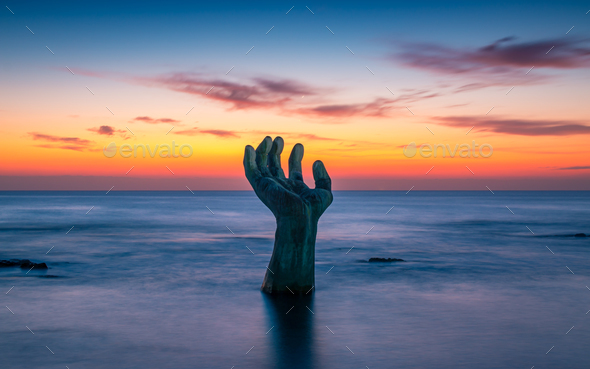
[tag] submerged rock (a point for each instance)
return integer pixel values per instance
(23, 263)
(384, 260)
(579, 235)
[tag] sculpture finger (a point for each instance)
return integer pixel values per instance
(295, 163)
(262, 155)
(274, 158)
(321, 177)
(252, 172)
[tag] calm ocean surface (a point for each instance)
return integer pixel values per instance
(156, 280)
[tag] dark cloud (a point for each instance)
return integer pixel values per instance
(501, 63)
(260, 93)
(498, 56)
(517, 126)
(150, 120)
(66, 143)
(105, 130)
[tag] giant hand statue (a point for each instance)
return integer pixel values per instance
(297, 209)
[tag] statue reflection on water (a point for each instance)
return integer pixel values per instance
(292, 338)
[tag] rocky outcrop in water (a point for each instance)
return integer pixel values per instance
(23, 263)
(384, 260)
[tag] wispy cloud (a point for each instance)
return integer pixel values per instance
(215, 132)
(517, 126)
(106, 130)
(66, 143)
(258, 93)
(501, 62)
(150, 120)
(575, 168)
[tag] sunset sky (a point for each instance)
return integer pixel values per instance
(354, 82)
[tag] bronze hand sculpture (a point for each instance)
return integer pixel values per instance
(297, 209)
